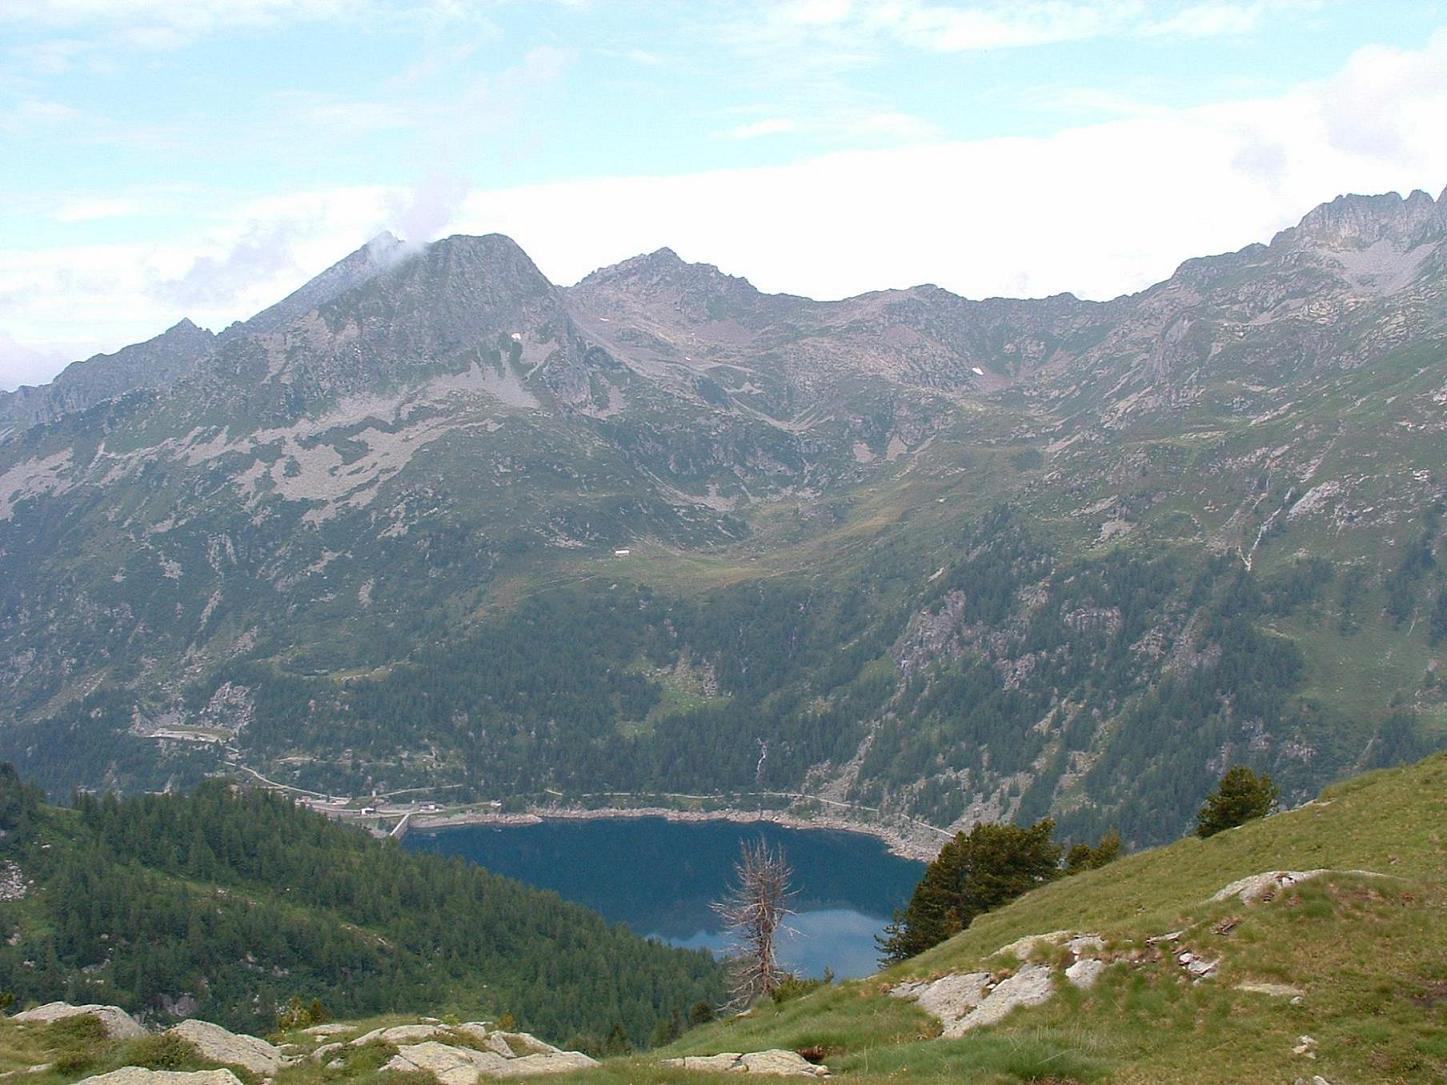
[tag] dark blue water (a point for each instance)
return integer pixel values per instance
(660, 877)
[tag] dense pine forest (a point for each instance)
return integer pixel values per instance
(1106, 691)
(226, 903)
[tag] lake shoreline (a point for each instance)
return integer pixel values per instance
(914, 845)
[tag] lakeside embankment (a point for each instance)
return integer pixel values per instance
(909, 841)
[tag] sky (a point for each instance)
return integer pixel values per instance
(162, 159)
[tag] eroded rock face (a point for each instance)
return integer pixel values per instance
(552, 1062)
(222, 1045)
(465, 1054)
(781, 1063)
(1269, 884)
(453, 1065)
(118, 1024)
(334, 1028)
(967, 1000)
(719, 1063)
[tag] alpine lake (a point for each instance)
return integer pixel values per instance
(661, 877)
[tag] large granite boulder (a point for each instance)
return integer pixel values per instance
(118, 1024)
(218, 1044)
(775, 1062)
(449, 1065)
(466, 1053)
(139, 1075)
(548, 1062)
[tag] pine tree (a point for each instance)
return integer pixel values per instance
(1241, 796)
(973, 874)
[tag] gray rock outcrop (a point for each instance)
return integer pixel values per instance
(962, 1001)
(1030, 986)
(1264, 886)
(449, 1065)
(218, 1044)
(139, 1075)
(1085, 972)
(400, 1034)
(950, 998)
(118, 1024)
(775, 1062)
(456, 1065)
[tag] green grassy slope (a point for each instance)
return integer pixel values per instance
(1368, 953)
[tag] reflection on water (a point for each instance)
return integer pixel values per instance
(660, 877)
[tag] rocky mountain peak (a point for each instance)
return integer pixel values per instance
(155, 364)
(378, 255)
(1355, 222)
(492, 260)
(467, 278)
(663, 269)
(697, 292)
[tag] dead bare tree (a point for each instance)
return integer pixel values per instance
(753, 912)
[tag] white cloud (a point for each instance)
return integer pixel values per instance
(771, 126)
(995, 24)
(32, 115)
(1207, 21)
(100, 28)
(423, 214)
(96, 208)
(161, 24)
(1097, 209)
(20, 364)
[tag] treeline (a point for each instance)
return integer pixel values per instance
(241, 901)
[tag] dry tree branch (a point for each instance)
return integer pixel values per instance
(753, 912)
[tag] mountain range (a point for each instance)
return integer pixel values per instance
(435, 521)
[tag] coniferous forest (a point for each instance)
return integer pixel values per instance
(226, 903)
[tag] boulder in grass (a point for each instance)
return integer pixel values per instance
(118, 1024)
(139, 1075)
(217, 1044)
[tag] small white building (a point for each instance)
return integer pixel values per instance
(622, 553)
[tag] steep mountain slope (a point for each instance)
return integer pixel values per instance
(352, 270)
(905, 551)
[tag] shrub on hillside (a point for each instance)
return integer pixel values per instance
(1241, 796)
(1084, 857)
